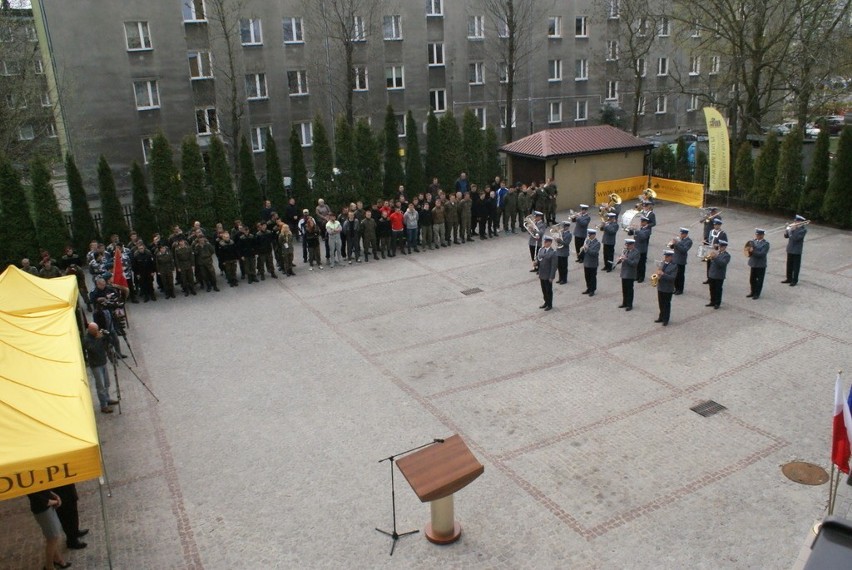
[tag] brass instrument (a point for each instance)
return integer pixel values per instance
(655, 277)
(555, 231)
(603, 209)
(711, 254)
(621, 257)
(796, 225)
(748, 248)
(648, 194)
(529, 225)
(614, 199)
(708, 217)
(673, 242)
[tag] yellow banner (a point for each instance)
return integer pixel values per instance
(720, 152)
(627, 188)
(687, 193)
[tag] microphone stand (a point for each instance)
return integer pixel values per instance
(391, 459)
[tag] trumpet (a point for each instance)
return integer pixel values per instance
(796, 225)
(712, 254)
(673, 242)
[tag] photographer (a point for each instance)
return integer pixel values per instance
(95, 344)
(105, 299)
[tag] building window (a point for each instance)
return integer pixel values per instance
(38, 66)
(137, 35)
(297, 82)
(30, 33)
(554, 27)
(436, 55)
(251, 32)
(50, 130)
(504, 114)
(6, 34)
(147, 95)
(665, 27)
(12, 102)
(641, 67)
(715, 63)
(696, 29)
(662, 102)
(612, 50)
(438, 100)
(641, 105)
(359, 32)
(614, 9)
(293, 31)
(662, 66)
(256, 87)
(475, 27)
(10, 68)
(206, 121)
(581, 29)
(642, 27)
(392, 27)
(45, 99)
(582, 112)
(581, 70)
(395, 77)
(693, 103)
(361, 82)
(26, 133)
(554, 70)
(400, 125)
(555, 112)
(200, 65)
(502, 29)
(147, 147)
(480, 116)
(612, 90)
(193, 11)
(258, 138)
(476, 75)
(434, 7)
(306, 133)
(503, 72)
(695, 65)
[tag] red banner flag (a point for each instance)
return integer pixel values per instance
(118, 270)
(840, 447)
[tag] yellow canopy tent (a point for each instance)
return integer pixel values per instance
(48, 435)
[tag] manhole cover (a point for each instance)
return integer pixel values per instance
(472, 291)
(708, 408)
(804, 473)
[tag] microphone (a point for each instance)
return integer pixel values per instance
(439, 440)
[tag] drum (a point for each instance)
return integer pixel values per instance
(630, 218)
(703, 250)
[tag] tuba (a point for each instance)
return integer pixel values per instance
(614, 199)
(555, 231)
(529, 225)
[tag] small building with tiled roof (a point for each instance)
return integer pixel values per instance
(576, 158)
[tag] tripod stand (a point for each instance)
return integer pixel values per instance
(391, 459)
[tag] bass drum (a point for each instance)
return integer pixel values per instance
(629, 219)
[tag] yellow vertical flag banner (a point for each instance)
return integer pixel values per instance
(720, 152)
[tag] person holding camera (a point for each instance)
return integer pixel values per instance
(95, 344)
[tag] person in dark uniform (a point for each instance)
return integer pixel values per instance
(546, 265)
(165, 263)
(536, 237)
(610, 233)
(665, 287)
(230, 256)
(144, 266)
(629, 260)
(649, 213)
(264, 240)
(681, 248)
(563, 252)
(479, 211)
(383, 233)
(708, 224)
(643, 238)
(795, 235)
(581, 229)
(718, 266)
(69, 516)
(247, 248)
(591, 260)
(757, 263)
(184, 261)
(713, 236)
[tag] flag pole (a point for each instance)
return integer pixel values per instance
(832, 489)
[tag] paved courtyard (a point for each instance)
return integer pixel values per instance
(278, 400)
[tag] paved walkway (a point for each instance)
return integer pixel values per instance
(278, 399)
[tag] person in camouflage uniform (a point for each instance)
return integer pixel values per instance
(165, 262)
(524, 205)
(246, 247)
(368, 232)
(451, 217)
(285, 243)
(184, 260)
(465, 209)
(204, 251)
(510, 211)
(227, 252)
(264, 239)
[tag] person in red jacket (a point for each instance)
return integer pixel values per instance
(397, 230)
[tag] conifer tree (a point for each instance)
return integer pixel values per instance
(393, 175)
(450, 165)
(275, 191)
(682, 160)
(112, 214)
(743, 171)
(251, 200)
(298, 171)
(165, 182)
(226, 208)
(83, 229)
(492, 164)
(433, 151)
(788, 179)
(194, 182)
(17, 232)
(368, 185)
(837, 206)
(415, 179)
(765, 168)
(144, 222)
(473, 149)
(51, 230)
(817, 183)
(664, 161)
(344, 158)
(323, 161)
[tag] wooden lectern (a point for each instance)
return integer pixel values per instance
(435, 473)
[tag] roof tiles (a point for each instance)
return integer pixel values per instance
(575, 141)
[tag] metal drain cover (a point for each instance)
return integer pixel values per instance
(708, 408)
(472, 291)
(804, 473)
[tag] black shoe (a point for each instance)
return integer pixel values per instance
(665, 323)
(586, 292)
(705, 282)
(193, 291)
(533, 270)
(678, 292)
(82, 532)
(209, 289)
(622, 306)
(591, 293)
(65, 565)
(640, 280)
(709, 305)
(793, 283)
(715, 306)
(186, 293)
(274, 275)
(542, 306)
(548, 308)
(75, 545)
(755, 298)
(121, 355)
(216, 289)
(457, 242)
(750, 295)
(786, 281)
(658, 321)
(628, 308)
(561, 282)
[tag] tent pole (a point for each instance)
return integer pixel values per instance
(104, 516)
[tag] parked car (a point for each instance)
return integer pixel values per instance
(782, 129)
(811, 131)
(834, 123)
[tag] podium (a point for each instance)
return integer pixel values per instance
(435, 473)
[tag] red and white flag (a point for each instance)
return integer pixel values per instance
(118, 270)
(840, 442)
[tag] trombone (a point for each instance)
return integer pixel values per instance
(796, 225)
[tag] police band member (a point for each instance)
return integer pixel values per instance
(681, 248)
(757, 263)
(629, 260)
(581, 228)
(642, 237)
(610, 231)
(717, 267)
(546, 267)
(713, 237)
(563, 251)
(536, 237)
(795, 235)
(648, 206)
(591, 253)
(708, 224)
(665, 286)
